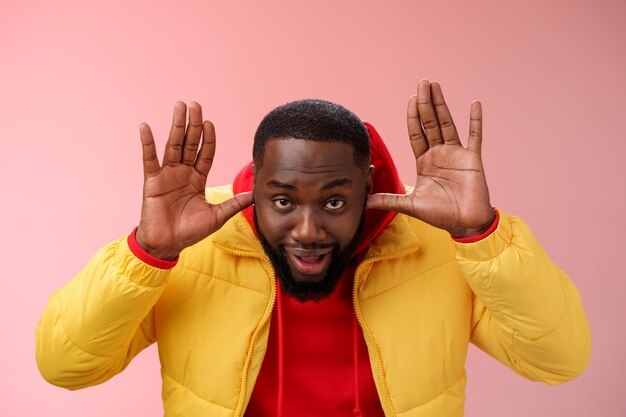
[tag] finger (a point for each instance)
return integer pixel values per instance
(414, 126)
(150, 159)
(233, 206)
(427, 114)
(475, 141)
(446, 124)
(193, 134)
(389, 202)
(174, 146)
(207, 151)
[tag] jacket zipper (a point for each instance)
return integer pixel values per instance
(387, 406)
(239, 410)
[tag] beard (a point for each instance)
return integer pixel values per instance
(310, 291)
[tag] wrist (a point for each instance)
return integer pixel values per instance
(475, 234)
(155, 257)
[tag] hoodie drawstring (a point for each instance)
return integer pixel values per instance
(281, 373)
(357, 400)
(356, 411)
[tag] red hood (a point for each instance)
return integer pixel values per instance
(386, 180)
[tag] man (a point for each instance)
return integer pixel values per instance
(337, 291)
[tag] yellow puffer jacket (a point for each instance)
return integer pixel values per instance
(420, 299)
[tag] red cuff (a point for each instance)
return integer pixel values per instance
(140, 253)
(489, 231)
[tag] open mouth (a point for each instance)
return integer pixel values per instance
(310, 262)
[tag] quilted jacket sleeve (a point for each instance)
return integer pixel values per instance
(94, 326)
(526, 311)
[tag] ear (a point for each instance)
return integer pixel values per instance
(369, 179)
(253, 170)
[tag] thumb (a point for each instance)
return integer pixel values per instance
(389, 202)
(234, 205)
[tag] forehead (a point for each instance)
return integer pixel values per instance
(297, 159)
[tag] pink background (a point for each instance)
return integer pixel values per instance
(77, 78)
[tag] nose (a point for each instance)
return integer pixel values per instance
(308, 228)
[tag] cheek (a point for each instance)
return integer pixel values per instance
(344, 227)
(273, 225)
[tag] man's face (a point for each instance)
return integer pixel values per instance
(309, 201)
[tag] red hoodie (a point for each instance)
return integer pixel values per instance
(316, 362)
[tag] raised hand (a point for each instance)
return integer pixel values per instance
(175, 213)
(451, 189)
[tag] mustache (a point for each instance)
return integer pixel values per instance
(310, 246)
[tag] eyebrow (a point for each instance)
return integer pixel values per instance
(336, 183)
(332, 184)
(278, 184)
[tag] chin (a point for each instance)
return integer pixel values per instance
(304, 279)
(306, 287)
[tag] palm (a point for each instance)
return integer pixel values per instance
(450, 184)
(175, 213)
(174, 202)
(451, 190)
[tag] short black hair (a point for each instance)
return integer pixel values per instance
(316, 120)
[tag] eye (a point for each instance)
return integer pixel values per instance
(283, 203)
(334, 204)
